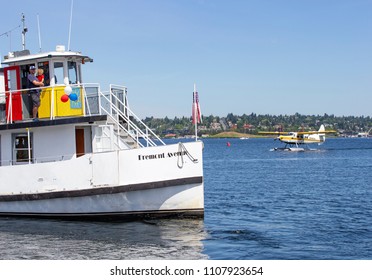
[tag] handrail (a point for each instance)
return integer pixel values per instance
(25, 91)
(9, 118)
(127, 109)
(7, 162)
(120, 126)
(117, 109)
(131, 124)
(35, 88)
(127, 119)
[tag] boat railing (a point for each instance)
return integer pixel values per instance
(3, 96)
(44, 159)
(112, 103)
(32, 160)
(125, 119)
(9, 105)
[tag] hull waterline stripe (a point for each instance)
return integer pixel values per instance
(129, 215)
(101, 190)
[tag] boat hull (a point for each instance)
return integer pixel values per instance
(171, 185)
(148, 200)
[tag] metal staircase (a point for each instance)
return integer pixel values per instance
(129, 131)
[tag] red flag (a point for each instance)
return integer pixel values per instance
(196, 115)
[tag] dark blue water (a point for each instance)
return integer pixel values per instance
(287, 205)
(259, 204)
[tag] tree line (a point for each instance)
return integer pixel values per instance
(253, 123)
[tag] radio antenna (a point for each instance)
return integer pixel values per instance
(24, 30)
(38, 29)
(69, 33)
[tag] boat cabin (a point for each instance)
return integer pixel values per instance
(62, 77)
(73, 119)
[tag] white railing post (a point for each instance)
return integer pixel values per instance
(99, 100)
(52, 104)
(10, 108)
(147, 136)
(28, 145)
(86, 101)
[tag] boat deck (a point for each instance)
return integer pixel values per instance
(49, 122)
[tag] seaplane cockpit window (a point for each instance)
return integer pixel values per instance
(72, 76)
(22, 153)
(58, 72)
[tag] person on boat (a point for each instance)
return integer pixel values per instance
(34, 93)
(40, 75)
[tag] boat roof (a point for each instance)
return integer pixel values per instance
(18, 57)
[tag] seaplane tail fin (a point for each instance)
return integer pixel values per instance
(322, 128)
(321, 136)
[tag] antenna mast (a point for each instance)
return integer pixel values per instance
(38, 28)
(24, 30)
(69, 33)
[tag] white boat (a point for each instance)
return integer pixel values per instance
(90, 156)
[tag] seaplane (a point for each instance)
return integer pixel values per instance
(293, 140)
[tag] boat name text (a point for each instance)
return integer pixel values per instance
(162, 155)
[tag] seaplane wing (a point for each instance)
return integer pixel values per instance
(298, 132)
(315, 132)
(273, 132)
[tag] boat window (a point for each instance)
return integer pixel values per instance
(92, 100)
(24, 73)
(45, 66)
(58, 72)
(22, 152)
(2, 112)
(72, 76)
(12, 79)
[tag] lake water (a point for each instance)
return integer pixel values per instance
(259, 204)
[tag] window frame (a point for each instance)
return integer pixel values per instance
(27, 159)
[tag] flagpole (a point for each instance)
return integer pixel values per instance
(195, 114)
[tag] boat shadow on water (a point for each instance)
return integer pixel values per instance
(55, 239)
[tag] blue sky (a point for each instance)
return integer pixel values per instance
(261, 56)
